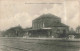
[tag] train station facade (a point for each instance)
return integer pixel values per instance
(48, 25)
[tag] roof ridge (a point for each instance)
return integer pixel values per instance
(48, 15)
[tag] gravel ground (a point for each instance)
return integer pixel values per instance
(20, 44)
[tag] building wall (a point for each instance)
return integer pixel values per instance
(47, 22)
(40, 33)
(58, 31)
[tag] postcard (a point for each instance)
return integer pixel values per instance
(39, 25)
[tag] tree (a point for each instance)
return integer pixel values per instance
(14, 32)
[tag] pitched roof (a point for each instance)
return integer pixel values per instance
(48, 16)
(58, 25)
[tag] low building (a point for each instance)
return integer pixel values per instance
(48, 25)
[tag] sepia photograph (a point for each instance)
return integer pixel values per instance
(39, 25)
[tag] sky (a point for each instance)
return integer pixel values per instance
(22, 12)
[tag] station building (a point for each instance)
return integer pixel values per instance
(48, 25)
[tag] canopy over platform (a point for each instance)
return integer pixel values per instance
(41, 29)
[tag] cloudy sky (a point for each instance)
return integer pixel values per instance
(22, 12)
